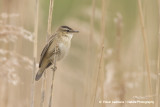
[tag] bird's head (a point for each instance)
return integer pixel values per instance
(66, 31)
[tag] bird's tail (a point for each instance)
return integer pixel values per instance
(39, 74)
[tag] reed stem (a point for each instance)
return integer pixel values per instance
(145, 46)
(158, 62)
(100, 72)
(47, 37)
(34, 52)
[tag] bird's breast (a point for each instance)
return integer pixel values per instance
(63, 48)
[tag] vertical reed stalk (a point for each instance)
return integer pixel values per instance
(34, 52)
(145, 46)
(158, 62)
(101, 63)
(97, 78)
(119, 23)
(48, 35)
(43, 88)
(100, 72)
(50, 17)
(118, 65)
(54, 69)
(158, 74)
(6, 87)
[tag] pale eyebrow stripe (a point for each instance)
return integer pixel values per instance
(66, 27)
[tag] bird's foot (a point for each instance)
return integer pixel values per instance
(54, 68)
(56, 51)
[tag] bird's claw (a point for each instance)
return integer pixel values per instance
(54, 68)
(57, 51)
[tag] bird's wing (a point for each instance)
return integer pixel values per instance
(45, 49)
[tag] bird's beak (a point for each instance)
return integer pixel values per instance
(74, 31)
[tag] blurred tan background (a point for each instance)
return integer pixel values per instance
(90, 73)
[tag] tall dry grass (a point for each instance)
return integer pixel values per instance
(145, 41)
(49, 34)
(87, 92)
(157, 104)
(99, 76)
(34, 52)
(43, 89)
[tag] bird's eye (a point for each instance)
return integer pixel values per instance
(67, 30)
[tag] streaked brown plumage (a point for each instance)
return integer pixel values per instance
(60, 41)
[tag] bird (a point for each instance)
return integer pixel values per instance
(56, 48)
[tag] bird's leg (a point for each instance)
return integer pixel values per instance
(54, 61)
(54, 67)
(56, 51)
